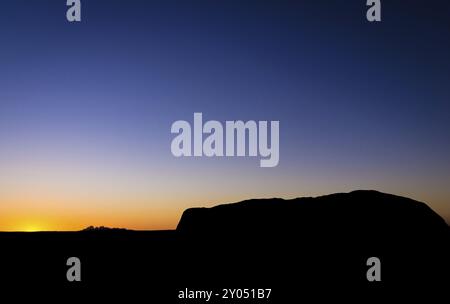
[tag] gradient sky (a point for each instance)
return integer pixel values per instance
(86, 108)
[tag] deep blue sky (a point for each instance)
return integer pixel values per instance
(86, 108)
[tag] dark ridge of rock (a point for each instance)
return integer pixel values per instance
(347, 215)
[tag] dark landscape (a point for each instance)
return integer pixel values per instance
(299, 247)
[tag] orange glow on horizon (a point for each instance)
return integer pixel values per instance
(77, 222)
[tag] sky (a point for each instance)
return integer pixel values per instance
(86, 108)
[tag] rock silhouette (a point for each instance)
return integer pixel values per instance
(371, 211)
(299, 247)
(327, 239)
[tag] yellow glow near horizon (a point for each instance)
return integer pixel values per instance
(26, 224)
(31, 228)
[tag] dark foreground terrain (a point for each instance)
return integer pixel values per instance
(301, 248)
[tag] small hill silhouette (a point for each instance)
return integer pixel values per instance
(102, 228)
